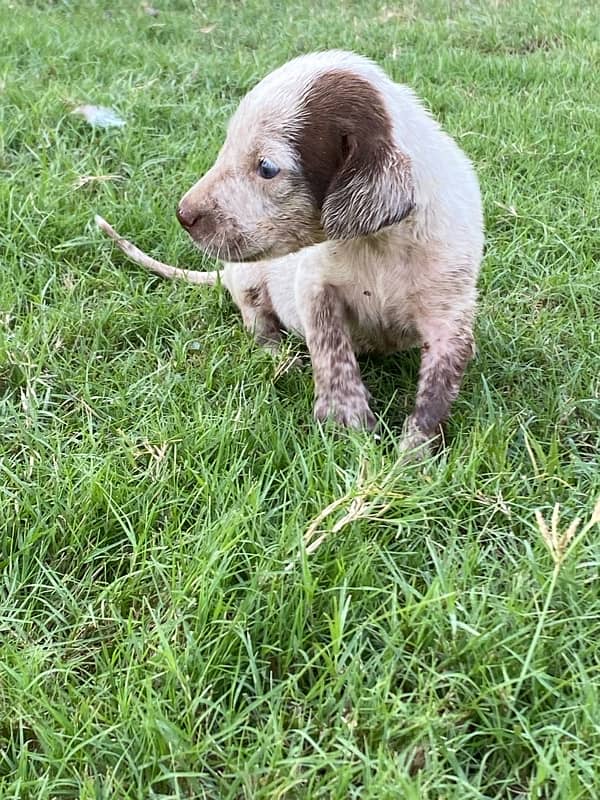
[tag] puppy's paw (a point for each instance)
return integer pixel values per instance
(415, 445)
(350, 410)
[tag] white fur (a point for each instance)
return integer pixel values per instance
(411, 283)
(422, 269)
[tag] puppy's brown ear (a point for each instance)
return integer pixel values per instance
(358, 178)
(371, 190)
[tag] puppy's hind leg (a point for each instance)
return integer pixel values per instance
(259, 315)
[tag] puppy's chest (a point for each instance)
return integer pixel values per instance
(380, 313)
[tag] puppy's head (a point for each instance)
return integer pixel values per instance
(310, 155)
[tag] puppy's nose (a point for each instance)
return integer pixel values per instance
(187, 216)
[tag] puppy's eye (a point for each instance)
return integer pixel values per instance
(267, 169)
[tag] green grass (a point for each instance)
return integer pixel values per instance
(163, 632)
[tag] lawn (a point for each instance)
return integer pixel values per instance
(166, 628)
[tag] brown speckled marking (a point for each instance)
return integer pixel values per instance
(260, 317)
(339, 390)
(443, 363)
(254, 295)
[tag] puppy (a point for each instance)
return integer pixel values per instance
(343, 212)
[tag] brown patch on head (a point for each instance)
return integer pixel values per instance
(340, 111)
(356, 175)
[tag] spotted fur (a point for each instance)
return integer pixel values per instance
(369, 239)
(339, 391)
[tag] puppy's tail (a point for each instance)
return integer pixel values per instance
(136, 255)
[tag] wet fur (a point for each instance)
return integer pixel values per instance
(370, 240)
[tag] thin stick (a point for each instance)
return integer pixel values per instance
(139, 257)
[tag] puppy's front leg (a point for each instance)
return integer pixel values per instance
(339, 390)
(445, 354)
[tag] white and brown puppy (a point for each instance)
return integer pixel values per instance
(345, 213)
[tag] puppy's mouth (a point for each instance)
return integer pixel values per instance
(235, 251)
(222, 245)
(227, 243)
